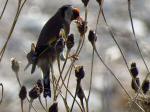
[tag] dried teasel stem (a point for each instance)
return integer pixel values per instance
(79, 73)
(22, 95)
(145, 86)
(94, 46)
(85, 2)
(15, 67)
(19, 8)
(130, 15)
(3, 9)
(40, 86)
(53, 107)
(136, 86)
(116, 78)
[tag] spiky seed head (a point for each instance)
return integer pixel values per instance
(70, 41)
(145, 86)
(79, 72)
(85, 2)
(53, 107)
(15, 65)
(23, 93)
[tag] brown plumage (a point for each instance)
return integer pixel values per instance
(45, 53)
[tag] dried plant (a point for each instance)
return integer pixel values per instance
(140, 101)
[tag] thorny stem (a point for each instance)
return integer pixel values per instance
(99, 15)
(74, 98)
(19, 8)
(30, 104)
(17, 77)
(82, 104)
(3, 9)
(72, 63)
(68, 83)
(42, 104)
(80, 45)
(130, 15)
(46, 103)
(92, 61)
(53, 79)
(62, 69)
(113, 37)
(114, 75)
(71, 94)
(22, 105)
(83, 37)
(91, 77)
(65, 103)
(2, 92)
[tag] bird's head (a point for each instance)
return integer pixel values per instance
(70, 13)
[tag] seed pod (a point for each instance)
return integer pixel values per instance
(82, 27)
(92, 37)
(136, 86)
(134, 71)
(54, 107)
(15, 65)
(85, 2)
(99, 2)
(39, 84)
(23, 93)
(34, 93)
(79, 72)
(70, 41)
(60, 45)
(145, 86)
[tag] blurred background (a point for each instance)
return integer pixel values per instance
(106, 95)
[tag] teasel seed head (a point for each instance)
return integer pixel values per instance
(70, 41)
(15, 65)
(99, 2)
(145, 86)
(85, 2)
(40, 85)
(53, 107)
(23, 93)
(82, 27)
(79, 72)
(92, 37)
(34, 93)
(134, 70)
(60, 45)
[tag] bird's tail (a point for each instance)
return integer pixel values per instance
(46, 82)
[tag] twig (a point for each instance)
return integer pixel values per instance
(115, 76)
(130, 15)
(3, 9)
(19, 8)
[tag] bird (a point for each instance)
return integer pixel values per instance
(45, 52)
